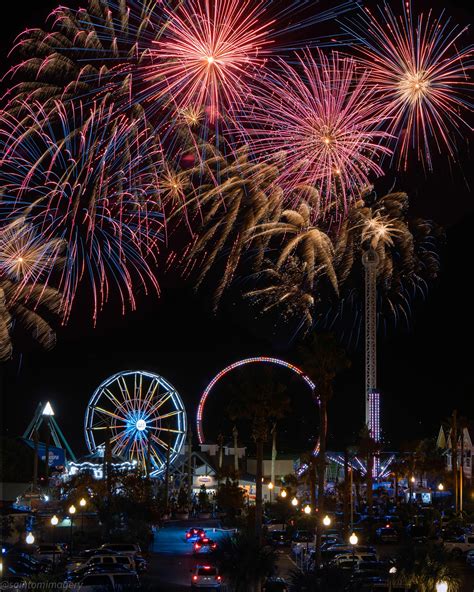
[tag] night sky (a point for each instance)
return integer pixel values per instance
(425, 371)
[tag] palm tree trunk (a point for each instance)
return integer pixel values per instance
(396, 488)
(321, 476)
(347, 494)
(454, 457)
(461, 472)
(258, 491)
(370, 471)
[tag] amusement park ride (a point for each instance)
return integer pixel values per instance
(140, 417)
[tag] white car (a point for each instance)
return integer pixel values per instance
(103, 560)
(461, 546)
(356, 557)
(108, 581)
(206, 576)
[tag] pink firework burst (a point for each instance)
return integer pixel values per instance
(421, 77)
(325, 122)
(208, 54)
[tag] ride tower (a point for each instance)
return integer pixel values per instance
(370, 260)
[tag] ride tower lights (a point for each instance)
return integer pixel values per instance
(370, 260)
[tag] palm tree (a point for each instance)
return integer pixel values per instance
(262, 400)
(367, 448)
(422, 569)
(245, 561)
(20, 302)
(322, 359)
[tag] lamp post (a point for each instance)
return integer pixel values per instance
(283, 493)
(82, 504)
(72, 511)
(442, 587)
(270, 489)
(54, 522)
(326, 521)
(353, 540)
(391, 574)
(294, 502)
(30, 538)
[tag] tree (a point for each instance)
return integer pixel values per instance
(422, 569)
(367, 448)
(230, 498)
(245, 561)
(260, 398)
(322, 359)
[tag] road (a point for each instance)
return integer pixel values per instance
(171, 559)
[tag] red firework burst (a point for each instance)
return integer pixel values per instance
(208, 54)
(324, 121)
(420, 75)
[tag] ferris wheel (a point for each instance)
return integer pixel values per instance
(140, 414)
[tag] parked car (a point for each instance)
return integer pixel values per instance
(275, 584)
(354, 557)
(51, 552)
(278, 538)
(461, 546)
(275, 524)
(470, 558)
(130, 549)
(387, 535)
(110, 560)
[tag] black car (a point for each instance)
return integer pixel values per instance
(275, 585)
(278, 538)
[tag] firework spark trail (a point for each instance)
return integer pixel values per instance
(420, 76)
(325, 122)
(90, 178)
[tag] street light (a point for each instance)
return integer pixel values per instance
(392, 570)
(54, 522)
(72, 511)
(30, 539)
(283, 493)
(327, 520)
(442, 587)
(82, 503)
(440, 487)
(294, 502)
(353, 539)
(270, 489)
(307, 510)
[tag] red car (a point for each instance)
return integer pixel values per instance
(205, 545)
(195, 534)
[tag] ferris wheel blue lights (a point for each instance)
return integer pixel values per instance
(141, 415)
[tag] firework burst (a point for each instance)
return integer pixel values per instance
(324, 120)
(208, 54)
(89, 178)
(420, 75)
(24, 254)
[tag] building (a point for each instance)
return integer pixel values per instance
(465, 449)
